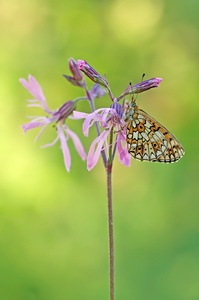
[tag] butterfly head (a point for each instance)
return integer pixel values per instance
(129, 110)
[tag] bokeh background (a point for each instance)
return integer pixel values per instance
(53, 224)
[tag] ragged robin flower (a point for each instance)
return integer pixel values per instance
(57, 117)
(108, 119)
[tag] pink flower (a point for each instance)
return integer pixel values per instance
(108, 118)
(56, 116)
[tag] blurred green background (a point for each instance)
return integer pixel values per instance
(53, 225)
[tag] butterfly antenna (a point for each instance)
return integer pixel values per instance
(142, 79)
(133, 96)
(143, 75)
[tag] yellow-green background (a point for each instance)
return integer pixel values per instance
(53, 225)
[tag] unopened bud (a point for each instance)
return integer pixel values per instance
(91, 73)
(77, 78)
(140, 87)
(77, 75)
(143, 86)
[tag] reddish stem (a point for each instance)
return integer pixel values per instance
(110, 225)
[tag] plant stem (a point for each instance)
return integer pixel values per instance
(110, 225)
(110, 217)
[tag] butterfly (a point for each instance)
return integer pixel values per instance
(147, 139)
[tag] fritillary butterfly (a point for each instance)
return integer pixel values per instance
(147, 139)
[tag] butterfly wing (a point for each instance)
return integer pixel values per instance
(148, 140)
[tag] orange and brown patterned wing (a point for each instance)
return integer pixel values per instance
(148, 140)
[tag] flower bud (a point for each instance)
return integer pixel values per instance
(77, 78)
(91, 73)
(143, 86)
(77, 75)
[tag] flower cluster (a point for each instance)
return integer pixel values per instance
(109, 121)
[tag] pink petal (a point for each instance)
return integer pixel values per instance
(51, 144)
(79, 115)
(35, 89)
(76, 141)
(95, 117)
(40, 133)
(106, 113)
(64, 147)
(91, 118)
(123, 154)
(94, 154)
(32, 125)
